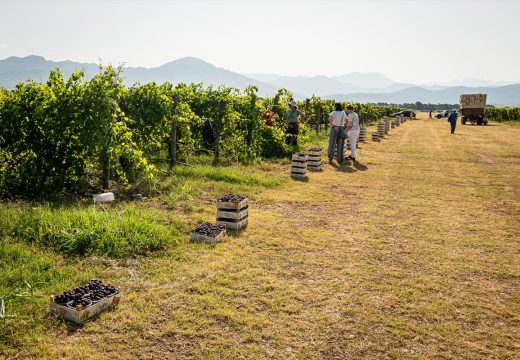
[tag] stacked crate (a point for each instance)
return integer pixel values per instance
(314, 159)
(375, 136)
(299, 166)
(381, 128)
(233, 214)
(362, 133)
(387, 125)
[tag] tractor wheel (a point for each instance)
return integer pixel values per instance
(463, 120)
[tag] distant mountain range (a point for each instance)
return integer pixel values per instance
(360, 87)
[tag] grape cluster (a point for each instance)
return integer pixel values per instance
(209, 229)
(232, 198)
(85, 295)
(316, 149)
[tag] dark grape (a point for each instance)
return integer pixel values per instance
(85, 295)
(209, 229)
(232, 198)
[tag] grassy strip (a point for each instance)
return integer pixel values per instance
(87, 230)
(228, 175)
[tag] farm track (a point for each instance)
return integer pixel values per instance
(413, 254)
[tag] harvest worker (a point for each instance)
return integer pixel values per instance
(353, 131)
(293, 119)
(453, 121)
(337, 134)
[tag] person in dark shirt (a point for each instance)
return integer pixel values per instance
(293, 120)
(453, 121)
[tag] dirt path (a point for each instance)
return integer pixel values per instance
(413, 253)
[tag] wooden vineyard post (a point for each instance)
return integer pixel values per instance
(318, 117)
(106, 172)
(307, 108)
(173, 136)
(218, 128)
(299, 166)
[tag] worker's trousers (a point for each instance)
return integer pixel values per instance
(453, 125)
(353, 136)
(336, 142)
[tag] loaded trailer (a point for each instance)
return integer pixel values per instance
(472, 109)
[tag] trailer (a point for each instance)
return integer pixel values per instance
(472, 109)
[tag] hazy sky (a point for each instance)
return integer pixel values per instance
(410, 41)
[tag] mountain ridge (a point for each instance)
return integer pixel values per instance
(354, 86)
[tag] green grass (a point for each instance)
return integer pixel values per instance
(225, 174)
(412, 256)
(88, 230)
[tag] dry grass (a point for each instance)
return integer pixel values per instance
(414, 255)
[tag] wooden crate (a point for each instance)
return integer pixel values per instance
(315, 153)
(381, 128)
(234, 224)
(362, 134)
(296, 157)
(315, 168)
(196, 237)
(223, 205)
(298, 170)
(299, 164)
(240, 214)
(375, 136)
(299, 176)
(81, 315)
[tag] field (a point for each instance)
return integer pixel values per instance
(412, 253)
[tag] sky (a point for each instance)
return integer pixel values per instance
(408, 41)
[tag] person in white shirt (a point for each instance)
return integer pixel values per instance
(337, 120)
(353, 131)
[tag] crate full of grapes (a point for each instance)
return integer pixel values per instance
(233, 211)
(208, 233)
(84, 302)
